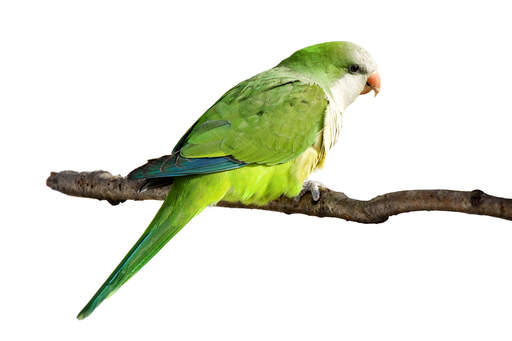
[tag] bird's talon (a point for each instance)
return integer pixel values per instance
(312, 187)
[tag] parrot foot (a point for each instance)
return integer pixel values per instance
(312, 187)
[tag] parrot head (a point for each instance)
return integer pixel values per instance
(338, 66)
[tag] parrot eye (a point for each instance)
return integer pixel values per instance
(353, 68)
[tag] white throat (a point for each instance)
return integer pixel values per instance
(340, 95)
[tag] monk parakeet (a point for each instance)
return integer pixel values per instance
(259, 141)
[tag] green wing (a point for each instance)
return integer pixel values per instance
(269, 119)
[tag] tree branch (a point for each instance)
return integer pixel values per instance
(102, 185)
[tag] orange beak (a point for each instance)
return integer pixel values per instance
(373, 83)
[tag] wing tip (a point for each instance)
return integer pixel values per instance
(145, 170)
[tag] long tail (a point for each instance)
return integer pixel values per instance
(181, 205)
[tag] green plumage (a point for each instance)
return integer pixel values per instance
(268, 119)
(259, 141)
(184, 201)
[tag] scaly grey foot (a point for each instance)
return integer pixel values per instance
(310, 186)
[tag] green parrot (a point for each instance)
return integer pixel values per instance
(259, 141)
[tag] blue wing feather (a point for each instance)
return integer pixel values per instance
(176, 165)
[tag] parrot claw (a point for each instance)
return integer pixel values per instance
(310, 186)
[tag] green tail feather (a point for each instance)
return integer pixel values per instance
(159, 232)
(186, 199)
(116, 279)
(162, 228)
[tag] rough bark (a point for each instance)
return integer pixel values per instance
(102, 185)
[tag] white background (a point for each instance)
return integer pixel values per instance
(106, 85)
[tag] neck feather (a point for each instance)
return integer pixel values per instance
(340, 94)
